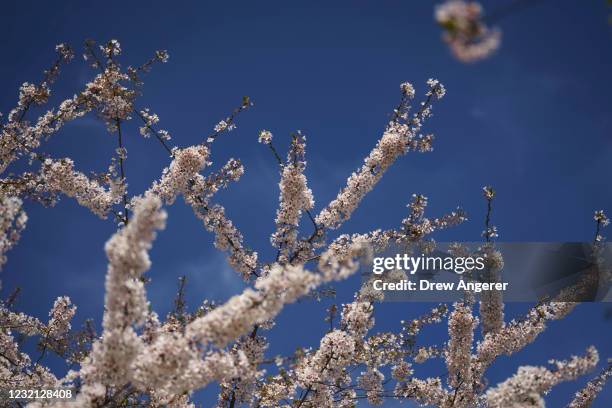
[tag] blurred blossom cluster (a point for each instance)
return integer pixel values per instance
(465, 31)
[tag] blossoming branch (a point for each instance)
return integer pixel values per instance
(143, 359)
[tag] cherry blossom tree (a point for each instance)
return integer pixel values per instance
(142, 359)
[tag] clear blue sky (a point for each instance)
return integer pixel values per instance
(534, 121)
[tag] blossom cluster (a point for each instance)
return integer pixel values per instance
(401, 135)
(295, 198)
(465, 31)
(526, 387)
(60, 176)
(12, 222)
(602, 221)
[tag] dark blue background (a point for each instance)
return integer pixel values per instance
(534, 121)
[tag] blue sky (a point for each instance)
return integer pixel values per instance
(534, 121)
